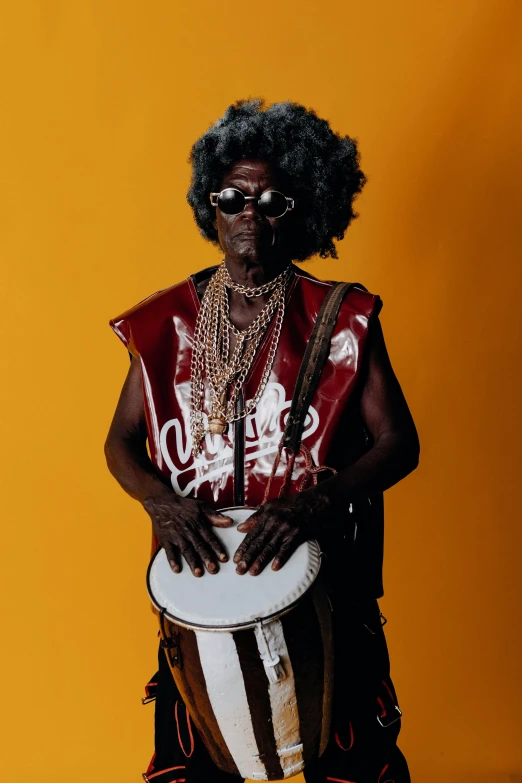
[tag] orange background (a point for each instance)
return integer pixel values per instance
(101, 102)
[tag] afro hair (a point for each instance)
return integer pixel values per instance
(322, 166)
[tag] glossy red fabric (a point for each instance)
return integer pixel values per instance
(233, 469)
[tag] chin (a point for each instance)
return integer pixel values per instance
(254, 252)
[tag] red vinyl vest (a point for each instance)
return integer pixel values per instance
(232, 469)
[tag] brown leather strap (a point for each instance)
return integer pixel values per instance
(312, 364)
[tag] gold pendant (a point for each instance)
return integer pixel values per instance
(217, 425)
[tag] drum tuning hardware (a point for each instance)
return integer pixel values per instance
(169, 643)
(271, 661)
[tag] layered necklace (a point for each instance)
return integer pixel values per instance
(211, 357)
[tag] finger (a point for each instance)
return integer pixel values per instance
(216, 518)
(256, 530)
(250, 523)
(245, 543)
(262, 560)
(173, 556)
(204, 551)
(286, 550)
(214, 543)
(253, 551)
(192, 558)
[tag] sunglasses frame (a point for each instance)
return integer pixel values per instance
(289, 201)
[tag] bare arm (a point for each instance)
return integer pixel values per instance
(125, 446)
(181, 525)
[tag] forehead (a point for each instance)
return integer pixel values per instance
(259, 172)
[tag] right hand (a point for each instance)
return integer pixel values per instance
(183, 528)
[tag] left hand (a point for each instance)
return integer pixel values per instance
(276, 529)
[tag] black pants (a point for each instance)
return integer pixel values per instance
(366, 724)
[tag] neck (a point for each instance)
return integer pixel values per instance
(253, 274)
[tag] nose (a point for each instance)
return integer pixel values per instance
(251, 211)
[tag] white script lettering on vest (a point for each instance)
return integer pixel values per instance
(263, 431)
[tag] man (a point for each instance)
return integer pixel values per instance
(215, 362)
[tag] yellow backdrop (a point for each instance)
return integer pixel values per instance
(101, 101)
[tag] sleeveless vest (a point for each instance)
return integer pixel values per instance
(232, 469)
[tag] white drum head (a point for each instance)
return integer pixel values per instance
(227, 600)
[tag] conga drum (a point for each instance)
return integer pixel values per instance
(252, 657)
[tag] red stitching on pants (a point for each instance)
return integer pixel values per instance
(150, 768)
(187, 755)
(162, 772)
(341, 780)
(338, 741)
(388, 780)
(394, 700)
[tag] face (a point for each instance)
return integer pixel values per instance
(251, 237)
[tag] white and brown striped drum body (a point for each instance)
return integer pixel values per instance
(252, 658)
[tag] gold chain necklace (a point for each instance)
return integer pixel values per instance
(250, 292)
(211, 357)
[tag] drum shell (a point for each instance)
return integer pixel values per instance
(251, 726)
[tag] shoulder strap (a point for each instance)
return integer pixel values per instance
(314, 358)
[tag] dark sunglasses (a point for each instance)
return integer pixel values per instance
(271, 203)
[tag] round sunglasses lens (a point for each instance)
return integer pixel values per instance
(272, 203)
(231, 202)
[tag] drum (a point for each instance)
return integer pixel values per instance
(251, 656)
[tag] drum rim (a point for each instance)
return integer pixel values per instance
(234, 626)
(228, 628)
